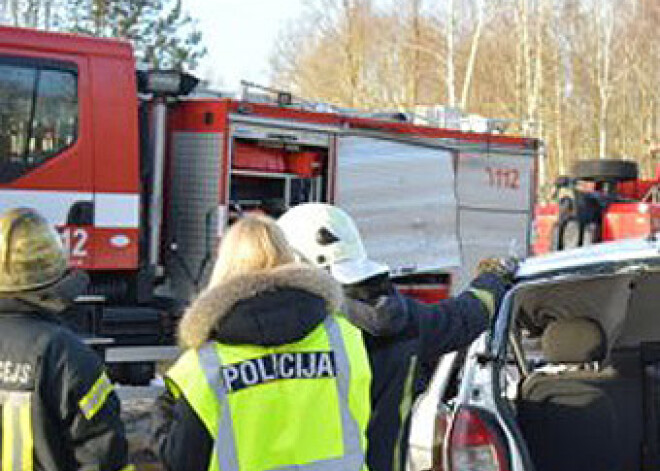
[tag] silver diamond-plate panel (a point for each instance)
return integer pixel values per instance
(193, 217)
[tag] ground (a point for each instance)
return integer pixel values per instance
(137, 406)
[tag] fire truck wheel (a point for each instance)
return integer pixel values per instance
(570, 235)
(133, 374)
(591, 234)
(141, 374)
(605, 170)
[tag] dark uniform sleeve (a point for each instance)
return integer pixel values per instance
(454, 323)
(387, 317)
(88, 408)
(176, 431)
(448, 325)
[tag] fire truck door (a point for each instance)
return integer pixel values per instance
(402, 197)
(495, 199)
(45, 142)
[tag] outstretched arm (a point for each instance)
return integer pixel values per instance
(455, 322)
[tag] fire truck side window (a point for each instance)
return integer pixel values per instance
(38, 115)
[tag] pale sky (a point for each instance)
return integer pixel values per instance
(239, 36)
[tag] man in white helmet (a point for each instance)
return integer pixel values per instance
(404, 338)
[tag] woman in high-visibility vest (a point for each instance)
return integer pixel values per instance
(272, 377)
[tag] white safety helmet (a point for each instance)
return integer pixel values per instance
(326, 236)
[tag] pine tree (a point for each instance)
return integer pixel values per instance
(163, 35)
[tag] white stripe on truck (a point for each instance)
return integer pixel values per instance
(119, 210)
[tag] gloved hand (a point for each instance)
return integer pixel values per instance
(505, 268)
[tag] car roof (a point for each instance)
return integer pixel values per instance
(598, 258)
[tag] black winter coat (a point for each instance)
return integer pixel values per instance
(59, 370)
(404, 340)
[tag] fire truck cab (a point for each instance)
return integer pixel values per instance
(141, 178)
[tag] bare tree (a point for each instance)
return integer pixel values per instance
(587, 84)
(474, 47)
(449, 38)
(605, 29)
(413, 69)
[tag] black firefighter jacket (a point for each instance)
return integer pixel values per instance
(74, 413)
(405, 339)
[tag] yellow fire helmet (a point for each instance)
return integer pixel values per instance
(31, 252)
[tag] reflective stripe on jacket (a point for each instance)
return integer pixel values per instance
(17, 442)
(17, 434)
(303, 406)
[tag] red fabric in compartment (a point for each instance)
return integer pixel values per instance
(252, 157)
(304, 164)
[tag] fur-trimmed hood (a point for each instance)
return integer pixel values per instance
(264, 308)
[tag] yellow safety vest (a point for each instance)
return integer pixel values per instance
(302, 406)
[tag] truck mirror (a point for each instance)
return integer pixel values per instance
(166, 82)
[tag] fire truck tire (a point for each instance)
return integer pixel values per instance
(133, 374)
(605, 170)
(591, 234)
(141, 374)
(569, 234)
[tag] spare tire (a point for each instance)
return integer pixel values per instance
(569, 233)
(605, 170)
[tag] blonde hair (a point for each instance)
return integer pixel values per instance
(253, 243)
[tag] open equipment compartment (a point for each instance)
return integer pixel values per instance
(273, 169)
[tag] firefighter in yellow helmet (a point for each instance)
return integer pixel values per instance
(272, 378)
(58, 409)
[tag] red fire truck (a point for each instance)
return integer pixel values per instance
(603, 200)
(141, 177)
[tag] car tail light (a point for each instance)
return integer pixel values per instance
(476, 443)
(439, 435)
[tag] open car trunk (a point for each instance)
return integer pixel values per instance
(587, 397)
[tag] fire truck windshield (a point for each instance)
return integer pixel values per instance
(38, 114)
